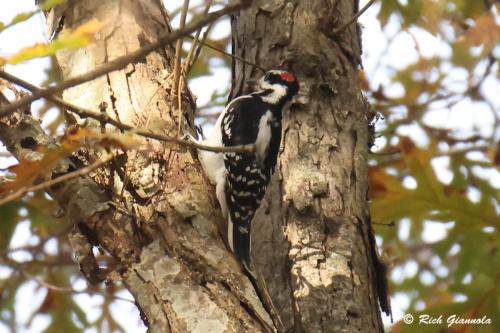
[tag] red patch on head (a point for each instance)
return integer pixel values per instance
(287, 76)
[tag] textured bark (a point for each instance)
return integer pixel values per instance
(311, 238)
(152, 209)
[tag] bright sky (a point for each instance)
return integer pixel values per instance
(403, 53)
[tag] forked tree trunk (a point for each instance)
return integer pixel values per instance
(155, 212)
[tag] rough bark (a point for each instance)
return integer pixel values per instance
(153, 209)
(312, 236)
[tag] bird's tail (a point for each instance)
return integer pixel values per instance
(240, 242)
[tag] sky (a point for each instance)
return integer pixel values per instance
(402, 53)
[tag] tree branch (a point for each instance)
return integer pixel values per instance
(122, 62)
(195, 41)
(80, 172)
(178, 49)
(354, 18)
(232, 56)
(104, 118)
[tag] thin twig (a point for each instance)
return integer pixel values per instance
(177, 86)
(180, 89)
(122, 62)
(354, 18)
(186, 68)
(80, 172)
(202, 41)
(178, 48)
(229, 54)
(70, 290)
(42, 242)
(104, 118)
(20, 267)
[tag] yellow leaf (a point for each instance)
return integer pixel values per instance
(89, 29)
(46, 5)
(69, 40)
(25, 16)
(26, 53)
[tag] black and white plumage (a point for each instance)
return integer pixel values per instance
(241, 178)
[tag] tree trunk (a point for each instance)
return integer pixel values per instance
(154, 211)
(312, 237)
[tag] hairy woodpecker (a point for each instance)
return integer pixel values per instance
(241, 178)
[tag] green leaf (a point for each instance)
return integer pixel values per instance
(388, 8)
(10, 218)
(470, 8)
(49, 4)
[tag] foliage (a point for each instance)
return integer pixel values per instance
(425, 176)
(457, 273)
(68, 40)
(46, 5)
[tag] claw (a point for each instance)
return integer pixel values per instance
(189, 137)
(199, 135)
(199, 132)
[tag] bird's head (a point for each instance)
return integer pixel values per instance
(281, 82)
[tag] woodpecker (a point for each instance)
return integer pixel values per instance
(241, 178)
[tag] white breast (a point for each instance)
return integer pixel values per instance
(213, 163)
(263, 137)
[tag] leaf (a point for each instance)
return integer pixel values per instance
(49, 4)
(61, 306)
(388, 8)
(82, 36)
(470, 8)
(29, 171)
(411, 12)
(486, 31)
(430, 200)
(41, 214)
(25, 16)
(8, 289)
(20, 18)
(462, 56)
(417, 79)
(431, 15)
(10, 217)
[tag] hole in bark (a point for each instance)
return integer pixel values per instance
(352, 314)
(28, 143)
(189, 221)
(225, 285)
(88, 233)
(331, 227)
(326, 90)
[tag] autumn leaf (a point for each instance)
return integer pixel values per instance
(46, 5)
(29, 172)
(485, 31)
(82, 36)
